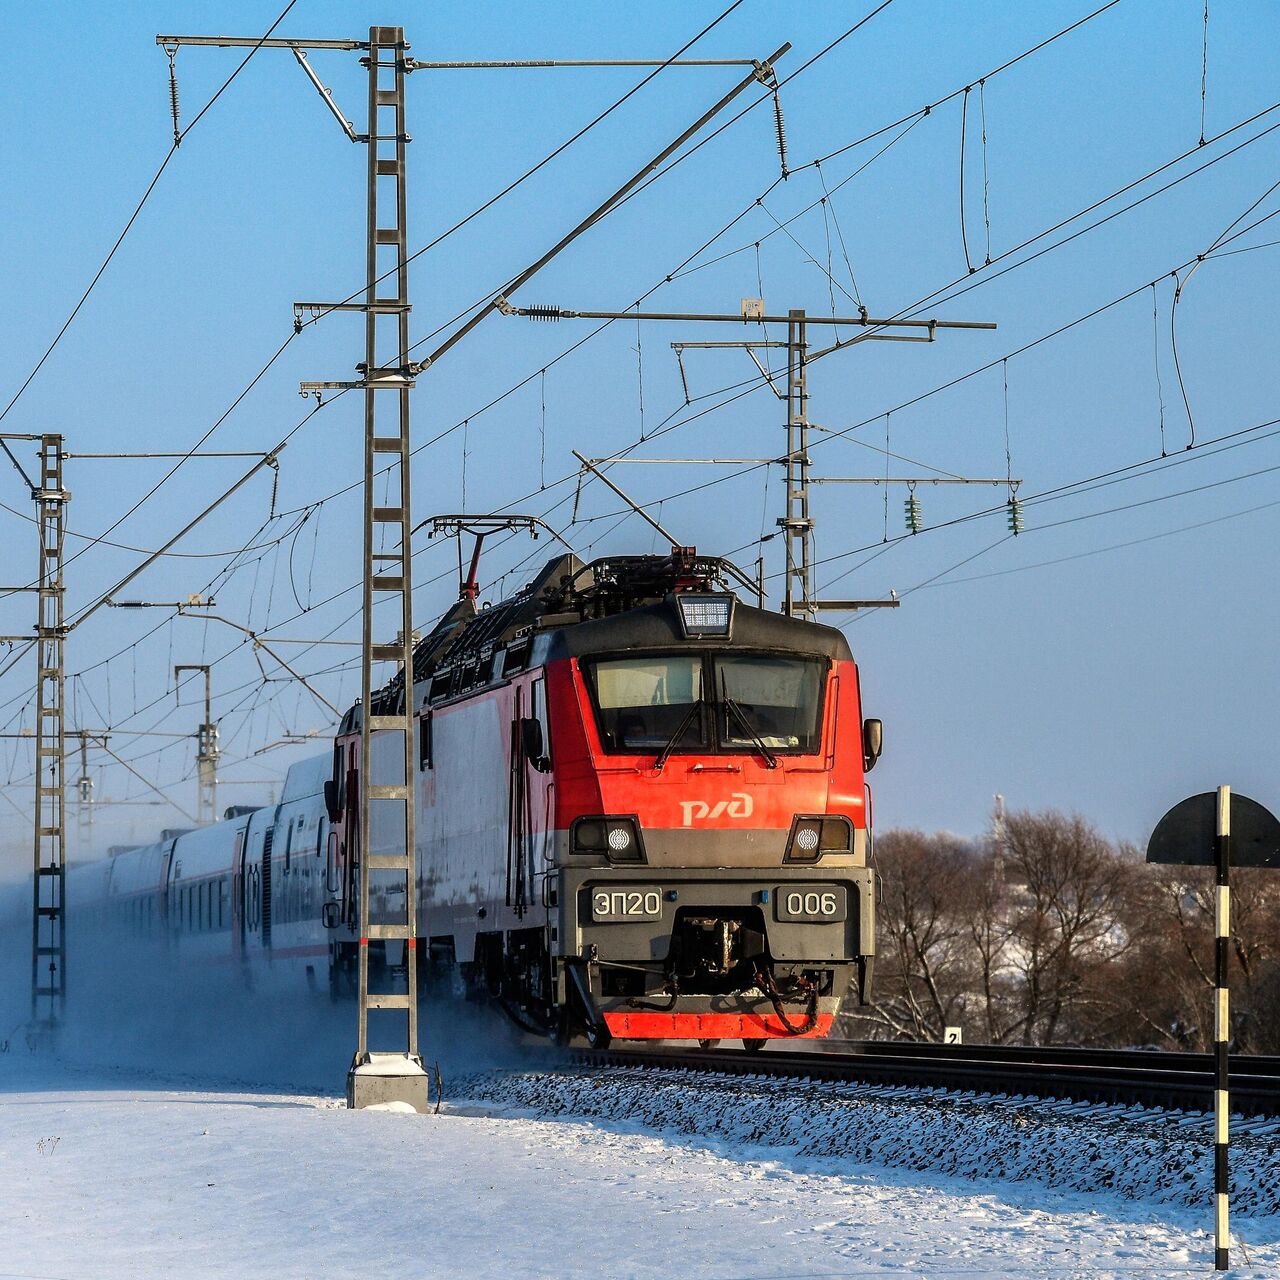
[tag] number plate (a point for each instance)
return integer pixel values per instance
(823, 903)
(611, 906)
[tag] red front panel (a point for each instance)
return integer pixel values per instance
(713, 792)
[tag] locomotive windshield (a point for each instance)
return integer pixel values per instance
(774, 701)
(729, 702)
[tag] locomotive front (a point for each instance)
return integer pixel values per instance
(711, 822)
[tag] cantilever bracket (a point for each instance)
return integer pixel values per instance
(347, 127)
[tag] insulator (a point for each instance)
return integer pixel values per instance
(543, 313)
(173, 102)
(781, 130)
(1015, 515)
(911, 509)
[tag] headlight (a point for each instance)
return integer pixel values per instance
(811, 837)
(705, 615)
(618, 839)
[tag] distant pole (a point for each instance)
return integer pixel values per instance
(84, 793)
(206, 747)
(797, 524)
(1221, 1029)
(999, 834)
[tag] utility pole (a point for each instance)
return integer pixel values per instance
(999, 839)
(799, 594)
(48, 935)
(796, 523)
(386, 380)
(84, 797)
(206, 748)
(377, 1077)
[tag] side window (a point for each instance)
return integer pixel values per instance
(538, 698)
(339, 775)
(424, 741)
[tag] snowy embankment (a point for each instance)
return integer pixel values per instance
(117, 1177)
(1140, 1154)
(194, 1129)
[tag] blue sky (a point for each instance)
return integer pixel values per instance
(1060, 668)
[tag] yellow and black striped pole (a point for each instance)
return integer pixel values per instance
(1216, 830)
(1221, 1028)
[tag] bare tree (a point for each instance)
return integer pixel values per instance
(1069, 920)
(923, 970)
(1178, 1003)
(1059, 935)
(991, 934)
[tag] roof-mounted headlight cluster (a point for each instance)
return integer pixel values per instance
(617, 838)
(811, 837)
(705, 614)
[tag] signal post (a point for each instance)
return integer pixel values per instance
(1219, 830)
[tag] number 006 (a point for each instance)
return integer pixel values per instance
(823, 903)
(811, 904)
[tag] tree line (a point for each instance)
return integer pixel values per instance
(1049, 933)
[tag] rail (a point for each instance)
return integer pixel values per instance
(1182, 1081)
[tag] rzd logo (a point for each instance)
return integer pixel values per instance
(738, 806)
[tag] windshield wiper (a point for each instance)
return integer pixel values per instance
(665, 754)
(741, 717)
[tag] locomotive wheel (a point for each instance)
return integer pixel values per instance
(597, 1036)
(709, 1044)
(753, 1046)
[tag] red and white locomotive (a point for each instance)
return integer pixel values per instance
(641, 813)
(641, 806)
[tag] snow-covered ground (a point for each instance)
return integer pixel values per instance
(188, 1130)
(119, 1176)
(1140, 1154)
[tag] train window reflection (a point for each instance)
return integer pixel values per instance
(644, 702)
(771, 701)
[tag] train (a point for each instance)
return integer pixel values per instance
(642, 813)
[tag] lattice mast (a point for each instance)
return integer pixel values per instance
(387, 577)
(796, 524)
(48, 922)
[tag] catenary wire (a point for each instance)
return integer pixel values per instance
(133, 217)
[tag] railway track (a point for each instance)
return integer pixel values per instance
(1182, 1081)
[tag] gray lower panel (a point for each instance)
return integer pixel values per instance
(648, 939)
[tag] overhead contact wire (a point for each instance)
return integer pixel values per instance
(133, 217)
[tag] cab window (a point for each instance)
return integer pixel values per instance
(726, 702)
(775, 701)
(643, 702)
